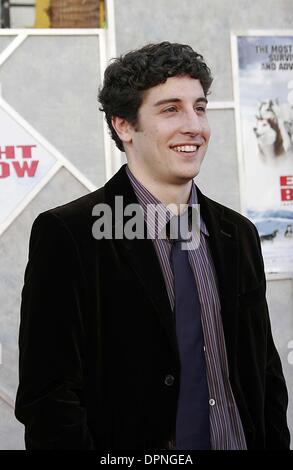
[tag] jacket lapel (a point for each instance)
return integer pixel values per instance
(223, 238)
(141, 255)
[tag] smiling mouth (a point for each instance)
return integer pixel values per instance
(185, 148)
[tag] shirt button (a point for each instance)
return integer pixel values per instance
(212, 402)
(204, 348)
(169, 380)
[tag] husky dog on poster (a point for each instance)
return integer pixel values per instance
(266, 114)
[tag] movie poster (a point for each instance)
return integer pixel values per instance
(24, 162)
(265, 71)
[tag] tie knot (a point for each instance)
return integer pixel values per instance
(178, 228)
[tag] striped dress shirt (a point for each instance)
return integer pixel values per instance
(225, 424)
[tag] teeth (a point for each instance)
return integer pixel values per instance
(185, 148)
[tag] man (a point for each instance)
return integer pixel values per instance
(102, 362)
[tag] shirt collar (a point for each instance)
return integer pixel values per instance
(148, 201)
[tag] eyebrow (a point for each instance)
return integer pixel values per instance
(176, 100)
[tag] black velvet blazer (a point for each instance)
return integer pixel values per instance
(97, 339)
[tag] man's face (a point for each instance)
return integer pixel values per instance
(172, 134)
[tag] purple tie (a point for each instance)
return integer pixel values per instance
(192, 423)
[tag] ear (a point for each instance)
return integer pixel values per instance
(123, 128)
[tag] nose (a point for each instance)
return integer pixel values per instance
(192, 123)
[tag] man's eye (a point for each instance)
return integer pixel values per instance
(170, 109)
(200, 109)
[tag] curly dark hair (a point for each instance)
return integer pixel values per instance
(128, 76)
